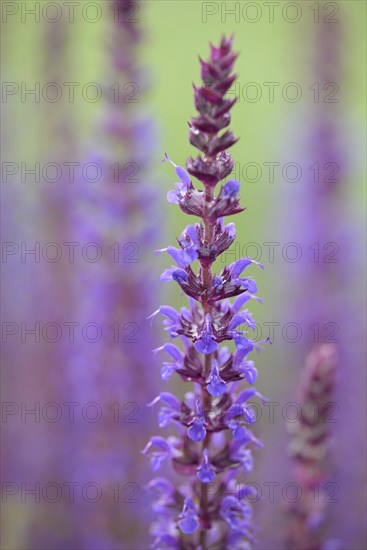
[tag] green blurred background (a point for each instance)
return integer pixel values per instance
(175, 33)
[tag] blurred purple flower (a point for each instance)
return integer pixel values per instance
(310, 446)
(115, 294)
(326, 231)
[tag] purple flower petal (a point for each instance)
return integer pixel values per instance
(242, 318)
(206, 342)
(172, 350)
(248, 284)
(216, 385)
(159, 456)
(231, 229)
(206, 345)
(206, 472)
(183, 175)
(241, 301)
(245, 395)
(244, 346)
(180, 276)
(167, 370)
(196, 431)
(181, 172)
(183, 258)
(189, 521)
(173, 197)
(231, 188)
(237, 267)
(249, 371)
(168, 399)
(240, 265)
(217, 282)
(167, 311)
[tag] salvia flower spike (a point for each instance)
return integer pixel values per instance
(213, 442)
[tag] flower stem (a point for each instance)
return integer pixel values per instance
(206, 272)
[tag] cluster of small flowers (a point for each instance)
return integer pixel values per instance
(212, 442)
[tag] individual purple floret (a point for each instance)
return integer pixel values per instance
(211, 450)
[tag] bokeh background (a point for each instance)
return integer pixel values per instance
(312, 56)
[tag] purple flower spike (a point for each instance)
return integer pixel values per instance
(206, 472)
(212, 421)
(216, 385)
(189, 521)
